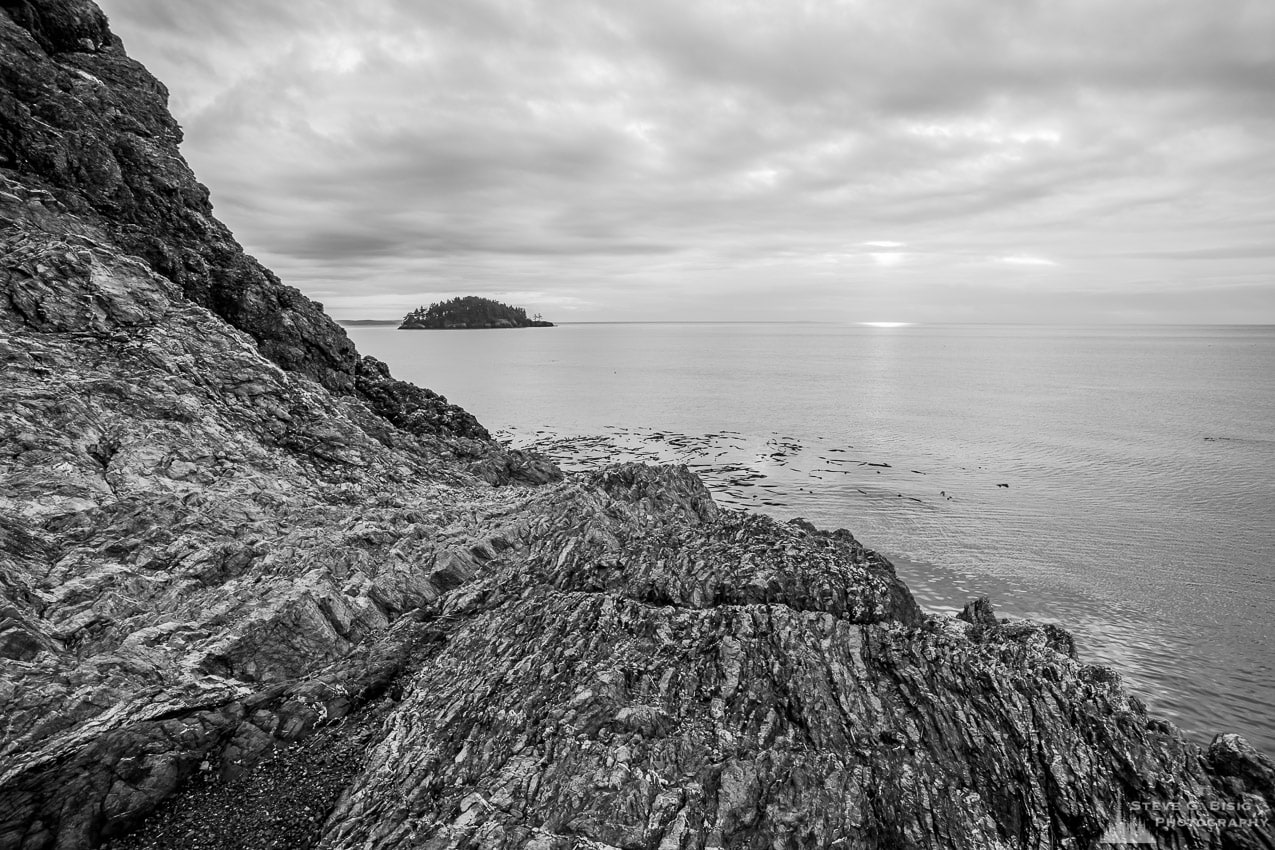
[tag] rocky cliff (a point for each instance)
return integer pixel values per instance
(90, 126)
(256, 593)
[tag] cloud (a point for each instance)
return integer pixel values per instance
(618, 154)
(1023, 260)
(888, 258)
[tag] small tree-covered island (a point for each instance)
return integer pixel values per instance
(470, 311)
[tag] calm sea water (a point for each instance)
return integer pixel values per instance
(1139, 510)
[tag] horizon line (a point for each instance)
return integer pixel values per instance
(861, 323)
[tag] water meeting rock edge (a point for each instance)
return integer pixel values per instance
(236, 555)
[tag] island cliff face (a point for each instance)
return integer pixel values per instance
(255, 592)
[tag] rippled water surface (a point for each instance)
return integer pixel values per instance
(1117, 480)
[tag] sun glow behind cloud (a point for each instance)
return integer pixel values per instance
(888, 258)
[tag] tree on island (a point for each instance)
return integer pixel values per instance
(470, 311)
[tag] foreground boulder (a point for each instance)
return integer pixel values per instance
(255, 592)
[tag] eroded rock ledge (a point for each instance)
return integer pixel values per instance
(232, 551)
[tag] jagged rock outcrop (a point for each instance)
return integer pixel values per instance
(255, 592)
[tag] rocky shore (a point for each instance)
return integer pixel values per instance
(256, 592)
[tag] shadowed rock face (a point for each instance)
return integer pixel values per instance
(233, 553)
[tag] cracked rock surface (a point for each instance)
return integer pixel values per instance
(255, 592)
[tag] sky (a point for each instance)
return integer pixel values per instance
(1071, 161)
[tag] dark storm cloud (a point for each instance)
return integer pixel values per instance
(605, 157)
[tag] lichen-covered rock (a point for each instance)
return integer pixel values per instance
(232, 551)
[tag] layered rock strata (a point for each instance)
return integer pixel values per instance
(256, 592)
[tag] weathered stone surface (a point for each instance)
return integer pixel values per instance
(229, 545)
(685, 693)
(979, 612)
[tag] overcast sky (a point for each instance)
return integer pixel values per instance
(857, 160)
